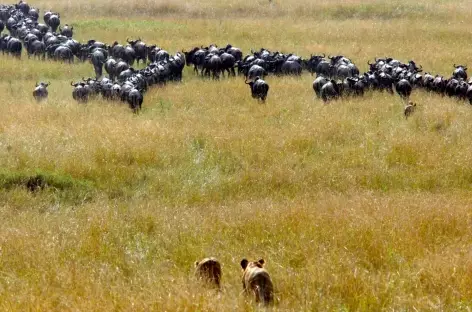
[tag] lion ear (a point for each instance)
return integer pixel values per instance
(261, 261)
(196, 263)
(244, 263)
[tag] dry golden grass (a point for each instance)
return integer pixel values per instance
(353, 207)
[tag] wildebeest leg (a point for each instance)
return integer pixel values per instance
(233, 72)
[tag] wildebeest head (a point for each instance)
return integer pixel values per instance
(42, 84)
(189, 55)
(251, 83)
(464, 67)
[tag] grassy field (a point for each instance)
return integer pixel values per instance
(353, 207)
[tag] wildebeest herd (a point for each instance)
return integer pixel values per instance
(337, 76)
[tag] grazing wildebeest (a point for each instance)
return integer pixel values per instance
(40, 91)
(259, 88)
(256, 281)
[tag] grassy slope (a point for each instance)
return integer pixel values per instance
(352, 207)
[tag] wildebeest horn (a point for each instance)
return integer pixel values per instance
(324, 55)
(49, 83)
(72, 83)
(368, 62)
(329, 56)
(455, 65)
(245, 81)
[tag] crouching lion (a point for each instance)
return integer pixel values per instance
(256, 280)
(209, 271)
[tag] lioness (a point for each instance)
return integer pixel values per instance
(257, 280)
(209, 270)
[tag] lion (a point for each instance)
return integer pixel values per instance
(257, 280)
(209, 270)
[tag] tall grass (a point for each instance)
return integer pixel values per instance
(353, 207)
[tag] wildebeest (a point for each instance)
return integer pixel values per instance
(209, 271)
(213, 65)
(135, 99)
(460, 71)
(255, 71)
(63, 53)
(98, 57)
(80, 92)
(140, 49)
(67, 31)
(319, 82)
(54, 21)
(14, 47)
(196, 56)
(329, 91)
(259, 88)
(228, 62)
(110, 65)
(256, 281)
(403, 88)
(40, 91)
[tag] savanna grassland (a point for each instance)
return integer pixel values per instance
(353, 207)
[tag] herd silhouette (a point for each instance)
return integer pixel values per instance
(336, 76)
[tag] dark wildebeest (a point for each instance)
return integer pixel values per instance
(63, 53)
(196, 56)
(67, 31)
(329, 91)
(259, 88)
(80, 92)
(54, 22)
(14, 47)
(319, 82)
(40, 92)
(98, 57)
(460, 71)
(129, 55)
(140, 49)
(403, 88)
(227, 63)
(212, 65)
(135, 99)
(255, 71)
(110, 68)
